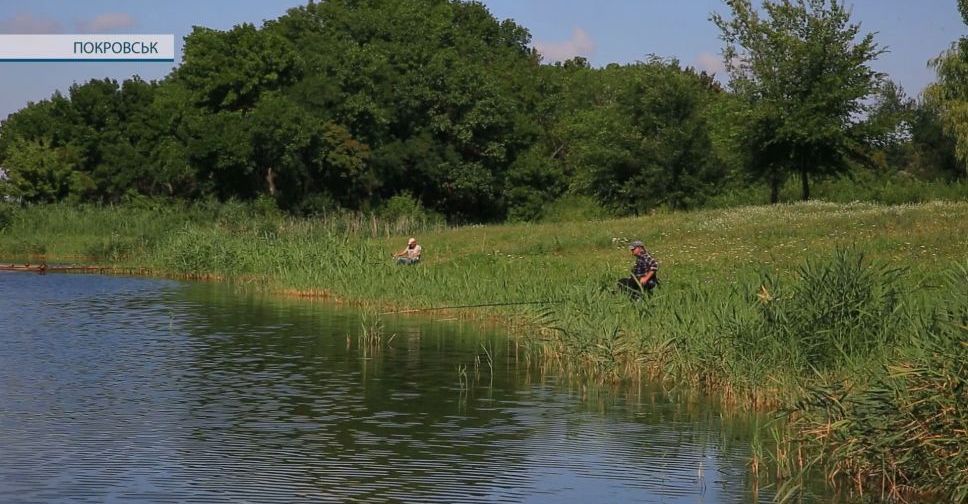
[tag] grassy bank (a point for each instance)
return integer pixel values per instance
(850, 318)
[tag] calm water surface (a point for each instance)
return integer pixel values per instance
(123, 389)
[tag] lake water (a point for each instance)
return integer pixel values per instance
(125, 389)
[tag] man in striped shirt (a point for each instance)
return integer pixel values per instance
(643, 277)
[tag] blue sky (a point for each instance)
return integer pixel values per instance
(604, 31)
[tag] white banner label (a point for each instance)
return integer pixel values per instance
(87, 47)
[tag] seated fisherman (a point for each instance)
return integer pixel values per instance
(409, 255)
(643, 277)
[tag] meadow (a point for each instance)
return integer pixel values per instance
(847, 320)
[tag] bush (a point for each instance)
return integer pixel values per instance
(401, 205)
(316, 205)
(8, 212)
(574, 208)
(863, 185)
(405, 208)
(837, 312)
(908, 428)
(114, 248)
(200, 251)
(27, 247)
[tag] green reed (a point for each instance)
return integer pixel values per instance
(903, 432)
(372, 337)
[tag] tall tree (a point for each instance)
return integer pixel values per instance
(439, 91)
(804, 68)
(643, 142)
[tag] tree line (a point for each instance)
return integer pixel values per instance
(347, 104)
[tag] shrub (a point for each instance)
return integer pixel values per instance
(198, 251)
(113, 248)
(907, 429)
(8, 211)
(836, 312)
(404, 211)
(574, 208)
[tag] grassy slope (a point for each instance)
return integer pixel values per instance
(927, 237)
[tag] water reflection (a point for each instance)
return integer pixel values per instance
(131, 389)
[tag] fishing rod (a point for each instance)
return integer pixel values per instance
(482, 305)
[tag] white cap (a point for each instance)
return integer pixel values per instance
(411, 241)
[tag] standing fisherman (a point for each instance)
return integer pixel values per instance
(643, 277)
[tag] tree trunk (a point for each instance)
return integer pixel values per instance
(774, 189)
(806, 185)
(271, 181)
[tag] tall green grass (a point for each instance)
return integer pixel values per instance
(905, 429)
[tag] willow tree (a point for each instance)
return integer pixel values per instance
(803, 66)
(950, 93)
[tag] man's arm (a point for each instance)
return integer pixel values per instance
(651, 267)
(644, 279)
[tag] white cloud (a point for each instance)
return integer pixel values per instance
(110, 21)
(26, 23)
(711, 63)
(580, 44)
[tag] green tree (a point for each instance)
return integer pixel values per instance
(933, 149)
(40, 173)
(887, 130)
(950, 93)
(229, 70)
(217, 146)
(341, 162)
(114, 132)
(643, 141)
(804, 69)
(545, 172)
(168, 120)
(439, 91)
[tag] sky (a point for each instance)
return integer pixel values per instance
(604, 31)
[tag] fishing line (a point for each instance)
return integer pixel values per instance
(482, 305)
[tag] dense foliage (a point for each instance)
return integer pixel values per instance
(803, 74)
(437, 105)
